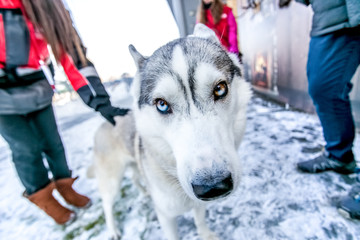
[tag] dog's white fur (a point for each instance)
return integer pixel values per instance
(196, 143)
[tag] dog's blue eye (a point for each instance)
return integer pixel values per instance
(220, 90)
(162, 106)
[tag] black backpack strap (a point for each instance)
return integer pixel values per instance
(17, 38)
(12, 79)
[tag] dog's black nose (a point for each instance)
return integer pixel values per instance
(210, 191)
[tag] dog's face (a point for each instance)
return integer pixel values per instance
(190, 105)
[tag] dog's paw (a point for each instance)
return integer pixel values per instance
(115, 236)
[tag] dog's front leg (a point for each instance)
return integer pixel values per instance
(203, 230)
(109, 183)
(108, 204)
(168, 225)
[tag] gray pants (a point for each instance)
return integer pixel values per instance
(30, 137)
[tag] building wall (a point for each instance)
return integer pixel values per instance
(275, 45)
(184, 12)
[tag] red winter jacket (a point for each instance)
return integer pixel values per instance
(22, 47)
(225, 29)
(37, 48)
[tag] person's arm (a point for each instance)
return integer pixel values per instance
(233, 41)
(86, 82)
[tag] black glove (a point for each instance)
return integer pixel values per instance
(109, 112)
(284, 3)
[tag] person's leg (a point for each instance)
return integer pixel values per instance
(44, 124)
(26, 151)
(332, 61)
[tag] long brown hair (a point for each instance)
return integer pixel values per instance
(54, 22)
(216, 9)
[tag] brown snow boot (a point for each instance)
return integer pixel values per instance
(46, 201)
(64, 187)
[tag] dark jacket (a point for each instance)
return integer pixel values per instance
(333, 15)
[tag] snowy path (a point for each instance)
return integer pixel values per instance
(274, 200)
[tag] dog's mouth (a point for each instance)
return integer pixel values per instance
(210, 192)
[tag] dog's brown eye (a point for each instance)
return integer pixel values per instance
(162, 106)
(220, 90)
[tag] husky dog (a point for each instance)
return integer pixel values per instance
(184, 130)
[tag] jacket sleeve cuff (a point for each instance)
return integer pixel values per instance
(92, 100)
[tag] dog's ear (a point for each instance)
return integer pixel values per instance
(138, 58)
(203, 31)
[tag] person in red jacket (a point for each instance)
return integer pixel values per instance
(219, 17)
(27, 119)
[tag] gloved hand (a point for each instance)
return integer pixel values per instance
(109, 112)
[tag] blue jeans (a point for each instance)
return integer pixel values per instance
(332, 62)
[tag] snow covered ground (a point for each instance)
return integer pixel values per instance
(274, 201)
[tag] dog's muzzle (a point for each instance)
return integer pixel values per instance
(209, 190)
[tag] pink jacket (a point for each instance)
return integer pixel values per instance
(225, 29)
